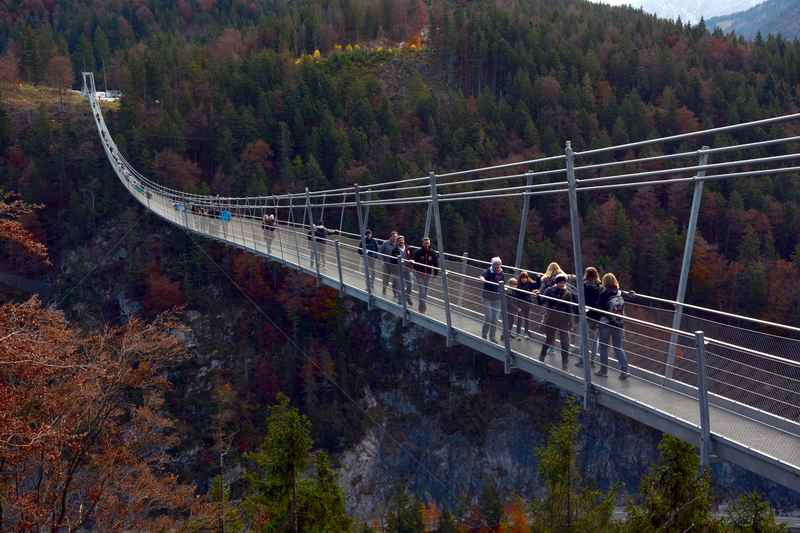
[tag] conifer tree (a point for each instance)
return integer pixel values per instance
(752, 514)
(280, 497)
(675, 495)
(569, 504)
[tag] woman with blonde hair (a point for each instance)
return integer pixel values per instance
(549, 277)
(611, 325)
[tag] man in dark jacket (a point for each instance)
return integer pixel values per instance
(403, 258)
(389, 263)
(426, 264)
(321, 235)
(558, 319)
(372, 253)
(491, 297)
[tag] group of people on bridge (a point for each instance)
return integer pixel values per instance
(555, 291)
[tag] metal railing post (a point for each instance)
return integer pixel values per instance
(702, 400)
(437, 220)
(523, 221)
(509, 361)
(314, 243)
(294, 231)
(278, 231)
(339, 267)
(427, 231)
(362, 228)
(241, 223)
(366, 209)
(403, 296)
(463, 281)
(575, 226)
(686, 265)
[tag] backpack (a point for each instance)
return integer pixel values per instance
(617, 306)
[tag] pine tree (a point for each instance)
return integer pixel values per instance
(280, 497)
(323, 500)
(752, 514)
(569, 505)
(675, 495)
(406, 514)
(490, 504)
(281, 459)
(447, 523)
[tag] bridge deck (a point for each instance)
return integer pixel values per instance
(744, 436)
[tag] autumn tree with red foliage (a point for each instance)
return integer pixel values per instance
(160, 292)
(9, 68)
(60, 75)
(15, 239)
(249, 272)
(83, 441)
(174, 170)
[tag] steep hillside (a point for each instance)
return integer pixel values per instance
(778, 17)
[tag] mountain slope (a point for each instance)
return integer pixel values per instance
(688, 10)
(773, 16)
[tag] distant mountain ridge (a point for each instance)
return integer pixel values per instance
(773, 16)
(688, 10)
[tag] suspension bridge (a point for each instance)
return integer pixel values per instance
(726, 382)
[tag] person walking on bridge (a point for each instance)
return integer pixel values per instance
(527, 284)
(611, 325)
(558, 318)
(321, 235)
(426, 265)
(389, 262)
(268, 225)
(404, 258)
(591, 293)
(372, 253)
(491, 297)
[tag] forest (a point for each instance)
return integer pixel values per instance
(256, 97)
(267, 96)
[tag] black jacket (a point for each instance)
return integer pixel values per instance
(603, 302)
(424, 260)
(372, 247)
(591, 292)
(559, 311)
(490, 275)
(524, 290)
(322, 234)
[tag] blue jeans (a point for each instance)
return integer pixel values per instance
(423, 280)
(491, 309)
(614, 334)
